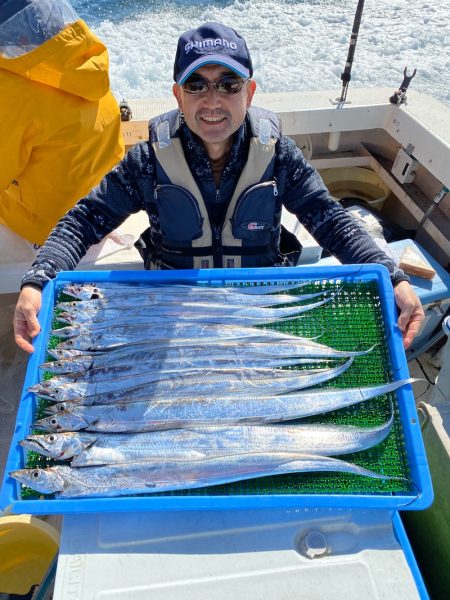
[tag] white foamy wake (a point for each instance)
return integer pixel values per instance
(294, 46)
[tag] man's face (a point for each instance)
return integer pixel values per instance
(214, 116)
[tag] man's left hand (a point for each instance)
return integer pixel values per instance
(411, 312)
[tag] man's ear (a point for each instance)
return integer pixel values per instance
(251, 89)
(176, 89)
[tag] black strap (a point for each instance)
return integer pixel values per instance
(143, 244)
(184, 251)
(246, 250)
(208, 250)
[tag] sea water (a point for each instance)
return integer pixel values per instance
(295, 44)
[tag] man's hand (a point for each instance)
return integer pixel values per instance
(411, 312)
(26, 325)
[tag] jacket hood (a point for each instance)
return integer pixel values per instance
(26, 24)
(73, 61)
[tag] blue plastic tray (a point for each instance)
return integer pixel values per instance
(420, 496)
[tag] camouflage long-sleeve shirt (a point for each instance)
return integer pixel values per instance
(129, 188)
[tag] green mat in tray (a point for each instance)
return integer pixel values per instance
(352, 320)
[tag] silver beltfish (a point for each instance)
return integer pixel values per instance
(149, 416)
(151, 299)
(88, 291)
(175, 334)
(168, 331)
(106, 379)
(138, 363)
(168, 315)
(204, 313)
(161, 476)
(297, 347)
(89, 449)
(204, 382)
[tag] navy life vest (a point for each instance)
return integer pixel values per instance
(182, 236)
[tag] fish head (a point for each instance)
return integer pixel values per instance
(46, 481)
(53, 390)
(68, 332)
(66, 318)
(64, 421)
(63, 366)
(85, 291)
(52, 366)
(80, 292)
(57, 408)
(74, 344)
(62, 353)
(70, 306)
(81, 306)
(78, 316)
(59, 446)
(48, 390)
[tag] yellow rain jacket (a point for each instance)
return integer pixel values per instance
(60, 129)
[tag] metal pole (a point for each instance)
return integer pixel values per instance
(435, 202)
(346, 75)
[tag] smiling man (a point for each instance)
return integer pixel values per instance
(214, 118)
(213, 179)
(213, 53)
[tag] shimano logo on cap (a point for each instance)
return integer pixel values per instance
(210, 43)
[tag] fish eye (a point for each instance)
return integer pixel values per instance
(50, 438)
(61, 407)
(35, 474)
(53, 421)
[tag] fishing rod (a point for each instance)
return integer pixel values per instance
(346, 75)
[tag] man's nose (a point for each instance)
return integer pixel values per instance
(212, 97)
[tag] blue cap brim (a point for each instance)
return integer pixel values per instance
(214, 59)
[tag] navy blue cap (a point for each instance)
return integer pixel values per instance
(211, 44)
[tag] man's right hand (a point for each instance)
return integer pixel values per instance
(26, 325)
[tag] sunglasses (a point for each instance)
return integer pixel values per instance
(229, 84)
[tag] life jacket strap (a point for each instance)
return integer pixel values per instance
(208, 251)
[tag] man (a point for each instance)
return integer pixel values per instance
(60, 123)
(212, 179)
